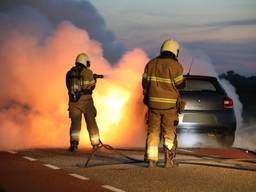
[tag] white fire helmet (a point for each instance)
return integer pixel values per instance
(171, 46)
(83, 59)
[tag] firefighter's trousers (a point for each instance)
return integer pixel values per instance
(86, 107)
(160, 123)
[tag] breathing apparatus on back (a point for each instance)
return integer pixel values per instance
(74, 79)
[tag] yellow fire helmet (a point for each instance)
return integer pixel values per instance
(170, 45)
(83, 59)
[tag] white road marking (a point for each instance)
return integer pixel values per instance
(51, 166)
(79, 176)
(112, 188)
(12, 152)
(109, 187)
(29, 158)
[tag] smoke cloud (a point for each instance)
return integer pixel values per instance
(82, 14)
(35, 56)
(245, 137)
(38, 45)
(200, 64)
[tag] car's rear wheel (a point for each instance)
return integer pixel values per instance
(227, 139)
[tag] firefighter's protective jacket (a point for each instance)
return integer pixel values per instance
(160, 78)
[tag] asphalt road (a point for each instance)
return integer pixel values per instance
(199, 170)
(22, 173)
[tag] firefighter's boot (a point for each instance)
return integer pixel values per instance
(168, 158)
(73, 146)
(95, 147)
(151, 164)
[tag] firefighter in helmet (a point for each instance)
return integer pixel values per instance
(161, 78)
(80, 83)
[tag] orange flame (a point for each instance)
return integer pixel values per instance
(39, 75)
(118, 101)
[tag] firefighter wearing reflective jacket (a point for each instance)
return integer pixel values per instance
(80, 84)
(162, 76)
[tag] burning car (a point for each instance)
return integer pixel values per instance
(208, 114)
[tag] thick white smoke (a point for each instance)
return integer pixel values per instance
(38, 46)
(245, 137)
(35, 56)
(245, 134)
(201, 65)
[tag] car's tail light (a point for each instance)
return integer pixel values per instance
(228, 103)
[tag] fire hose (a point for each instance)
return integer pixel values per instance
(214, 159)
(109, 147)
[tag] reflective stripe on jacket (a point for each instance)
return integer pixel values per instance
(160, 78)
(88, 83)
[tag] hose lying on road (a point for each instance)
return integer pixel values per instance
(108, 147)
(211, 160)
